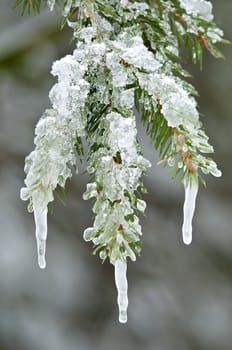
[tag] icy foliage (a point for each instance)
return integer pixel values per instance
(179, 109)
(49, 164)
(127, 56)
(118, 166)
(198, 8)
(56, 132)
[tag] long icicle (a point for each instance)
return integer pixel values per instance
(191, 189)
(122, 286)
(41, 234)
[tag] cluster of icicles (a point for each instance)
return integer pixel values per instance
(120, 267)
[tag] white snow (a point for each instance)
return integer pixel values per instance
(198, 8)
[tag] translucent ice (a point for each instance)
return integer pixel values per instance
(41, 234)
(191, 189)
(51, 4)
(121, 284)
(67, 7)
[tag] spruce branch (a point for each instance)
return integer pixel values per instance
(128, 54)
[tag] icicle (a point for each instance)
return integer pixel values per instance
(51, 4)
(41, 234)
(191, 189)
(67, 7)
(121, 284)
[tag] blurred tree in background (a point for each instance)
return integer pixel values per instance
(179, 297)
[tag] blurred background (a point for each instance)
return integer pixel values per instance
(180, 298)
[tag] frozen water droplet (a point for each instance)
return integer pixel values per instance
(171, 162)
(191, 190)
(41, 234)
(88, 234)
(121, 284)
(103, 255)
(218, 173)
(141, 205)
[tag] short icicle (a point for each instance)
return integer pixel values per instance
(191, 189)
(121, 284)
(41, 234)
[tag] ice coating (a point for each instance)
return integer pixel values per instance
(41, 234)
(118, 167)
(120, 268)
(198, 8)
(68, 7)
(189, 208)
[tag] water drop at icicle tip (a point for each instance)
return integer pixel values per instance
(122, 286)
(187, 237)
(42, 262)
(191, 190)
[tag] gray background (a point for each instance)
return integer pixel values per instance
(180, 298)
